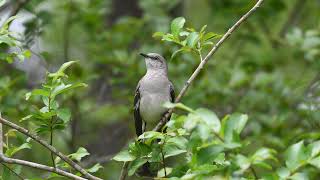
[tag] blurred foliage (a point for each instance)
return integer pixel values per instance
(271, 78)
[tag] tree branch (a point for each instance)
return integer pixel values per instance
(164, 120)
(39, 166)
(124, 171)
(50, 148)
(293, 17)
(205, 60)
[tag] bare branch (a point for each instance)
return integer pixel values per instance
(39, 166)
(124, 171)
(195, 74)
(50, 148)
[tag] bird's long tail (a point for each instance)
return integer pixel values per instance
(144, 170)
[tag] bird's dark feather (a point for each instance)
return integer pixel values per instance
(172, 95)
(137, 116)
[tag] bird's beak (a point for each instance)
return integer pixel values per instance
(144, 55)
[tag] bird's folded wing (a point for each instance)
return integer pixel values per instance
(137, 116)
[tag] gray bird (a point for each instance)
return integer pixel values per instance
(153, 90)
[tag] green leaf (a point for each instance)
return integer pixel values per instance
(161, 172)
(13, 150)
(192, 39)
(172, 150)
(6, 23)
(263, 154)
(94, 168)
(283, 173)
(2, 2)
(203, 28)
(208, 154)
(64, 114)
(82, 152)
(37, 92)
(28, 95)
(60, 72)
(210, 35)
(233, 124)
(191, 121)
(180, 50)
(11, 133)
(63, 88)
(140, 149)
(6, 174)
(27, 54)
(210, 118)
(296, 155)
(314, 148)
(170, 105)
(158, 34)
(124, 156)
(176, 25)
(7, 40)
(135, 165)
(243, 162)
(180, 142)
(315, 162)
(299, 176)
(168, 37)
(20, 57)
(151, 135)
(184, 33)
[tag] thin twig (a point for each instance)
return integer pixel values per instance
(11, 170)
(51, 133)
(163, 163)
(254, 173)
(124, 171)
(218, 136)
(205, 60)
(196, 73)
(50, 148)
(39, 166)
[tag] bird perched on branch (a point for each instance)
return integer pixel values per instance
(153, 90)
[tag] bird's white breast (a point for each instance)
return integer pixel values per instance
(154, 93)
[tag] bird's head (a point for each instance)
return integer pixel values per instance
(154, 61)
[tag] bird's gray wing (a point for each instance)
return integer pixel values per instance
(137, 116)
(172, 95)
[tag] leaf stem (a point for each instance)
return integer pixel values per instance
(254, 172)
(163, 161)
(51, 132)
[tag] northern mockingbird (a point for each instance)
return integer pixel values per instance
(153, 90)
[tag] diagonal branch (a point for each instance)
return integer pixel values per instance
(50, 148)
(205, 60)
(195, 74)
(39, 166)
